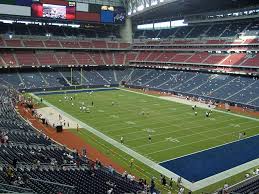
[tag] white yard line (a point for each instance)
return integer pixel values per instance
(193, 134)
(229, 113)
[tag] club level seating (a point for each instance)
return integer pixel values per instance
(52, 43)
(13, 43)
(47, 58)
(33, 43)
(209, 30)
(252, 61)
(65, 58)
(99, 44)
(28, 58)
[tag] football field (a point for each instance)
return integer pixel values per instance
(174, 128)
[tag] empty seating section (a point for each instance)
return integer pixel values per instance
(55, 30)
(9, 59)
(197, 57)
(166, 33)
(13, 43)
(234, 29)
(107, 58)
(216, 30)
(124, 45)
(108, 75)
(131, 56)
(119, 58)
(232, 87)
(214, 59)
(37, 30)
(33, 43)
(65, 58)
(252, 60)
(69, 44)
(151, 33)
(52, 79)
(234, 59)
(33, 80)
(83, 58)
(112, 45)
(47, 58)
(247, 94)
(29, 58)
(253, 29)
(225, 87)
(63, 44)
(86, 44)
(94, 78)
(182, 32)
(26, 58)
(76, 77)
(165, 57)
(99, 44)
(97, 59)
(198, 31)
(142, 56)
(193, 83)
(52, 43)
(181, 57)
(11, 79)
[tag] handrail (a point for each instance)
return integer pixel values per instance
(54, 183)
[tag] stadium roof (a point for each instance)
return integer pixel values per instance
(176, 8)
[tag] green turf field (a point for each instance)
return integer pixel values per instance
(174, 128)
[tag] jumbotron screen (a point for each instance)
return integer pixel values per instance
(54, 11)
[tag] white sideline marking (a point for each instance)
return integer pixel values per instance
(130, 123)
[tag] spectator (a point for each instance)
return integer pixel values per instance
(14, 162)
(164, 181)
(171, 183)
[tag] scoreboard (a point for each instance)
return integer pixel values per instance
(64, 10)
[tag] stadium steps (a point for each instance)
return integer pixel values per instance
(20, 77)
(82, 75)
(154, 78)
(185, 81)
(43, 78)
(208, 29)
(129, 76)
(132, 81)
(202, 84)
(189, 32)
(241, 90)
(223, 85)
(75, 59)
(158, 56)
(166, 81)
(249, 24)
(2, 61)
(253, 100)
(15, 58)
(115, 76)
(70, 84)
(102, 77)
(224, 30)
